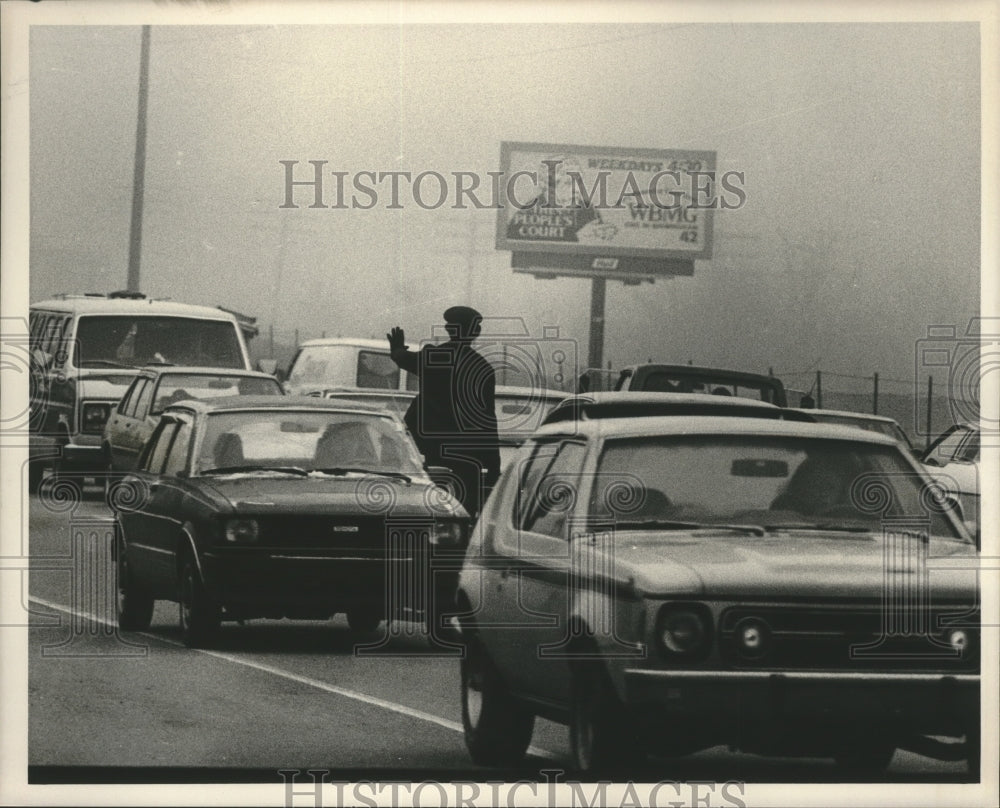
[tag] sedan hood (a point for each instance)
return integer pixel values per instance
(111, 386)
(827, 563)
(355, 494)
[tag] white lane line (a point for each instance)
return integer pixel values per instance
(402, 709)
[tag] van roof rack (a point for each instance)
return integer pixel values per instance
(125, 294)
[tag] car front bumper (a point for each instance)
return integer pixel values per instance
(923, 702)
(304, 581)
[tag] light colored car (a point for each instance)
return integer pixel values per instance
(953, 460)
(85, 351)
(345, 362)
(154, 389)
(668, 584)
(519, 410)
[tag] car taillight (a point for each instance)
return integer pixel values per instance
(242, 531)
(448, 535)
(94, 415)
(684, 630)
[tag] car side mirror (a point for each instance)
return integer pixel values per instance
(955, 506)
(42, 358)
(443, 477)
(269, 366)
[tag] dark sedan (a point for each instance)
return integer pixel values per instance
(281, 507)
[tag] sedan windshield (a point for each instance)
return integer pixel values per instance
(770, 482)
(280, 440)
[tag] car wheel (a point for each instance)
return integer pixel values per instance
(497, 728)
(598, 730)
(199, 616)
(972, 747)
(35, 470)
(363, 621)
(109, 478)
(134, 606)
(71, 478)
(866, 757)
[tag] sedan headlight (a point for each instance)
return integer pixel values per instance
(684, 630)
(94, 415)
(242, 531)
(753, 637)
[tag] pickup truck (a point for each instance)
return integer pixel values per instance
(694, 379)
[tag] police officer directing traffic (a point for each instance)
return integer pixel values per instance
(453, 418)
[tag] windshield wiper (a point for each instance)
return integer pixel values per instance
(341, 470)
(661, 524)
(109, 363)
(300, 472)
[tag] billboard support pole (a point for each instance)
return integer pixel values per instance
(139, 169)
(597, 294)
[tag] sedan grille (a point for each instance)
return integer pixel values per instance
(850, 638)
(364, 536)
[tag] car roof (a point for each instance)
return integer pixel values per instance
(357, 342)
(236, 403)
(111, 307)
(530, 392)
(198, 370)
(365, 391)
(652, 426)
(697, 370)
(861, 416)
(624, 404)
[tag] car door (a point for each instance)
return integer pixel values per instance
(138, 432)
(148, 525)
(533, 585)
(116, 426)
(121, 431)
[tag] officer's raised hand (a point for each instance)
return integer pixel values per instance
(397, 340)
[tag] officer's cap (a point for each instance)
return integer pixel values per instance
(463, 315)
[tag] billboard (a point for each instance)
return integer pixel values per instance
(603, 201)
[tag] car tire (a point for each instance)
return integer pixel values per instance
(600, 738)
(865, 757)
(133, 606)
(72, 478)
(35, 470)
(363, 621)
(972, 751)
(497, 728)
(110, 479)
(199, 616)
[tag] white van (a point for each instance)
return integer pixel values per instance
(345, 362)
(86, 350)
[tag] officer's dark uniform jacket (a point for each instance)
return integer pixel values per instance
(453, 418)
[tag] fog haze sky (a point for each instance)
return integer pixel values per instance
(860, 144)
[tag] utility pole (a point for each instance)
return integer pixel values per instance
(139, 171)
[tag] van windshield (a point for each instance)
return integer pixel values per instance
(103, 341)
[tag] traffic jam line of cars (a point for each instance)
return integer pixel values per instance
(738, 571)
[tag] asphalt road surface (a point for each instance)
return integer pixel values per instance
(275, 694)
